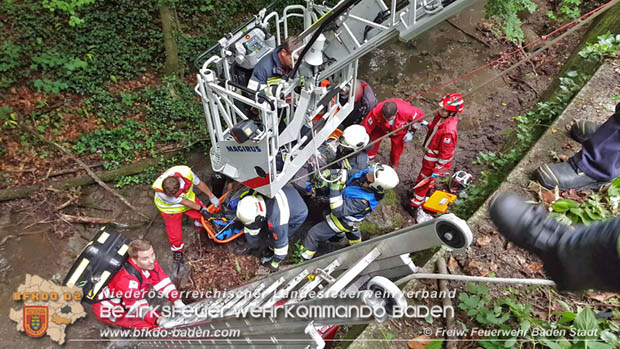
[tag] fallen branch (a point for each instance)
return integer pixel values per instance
(67, 203)
(17, 171)
(45, 220)
(146, 230)
(26, 191)
(447, 302)
(94, 207)
(94, 176)
(529, 60)
(73, 170)
(92, 220)
(15, 236)
(468, 34)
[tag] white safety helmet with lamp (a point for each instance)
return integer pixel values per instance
(250, 208)
(459, 181)
(385, 178)
(354, 137)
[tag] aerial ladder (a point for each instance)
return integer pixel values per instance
(359, 275)
(262, 139)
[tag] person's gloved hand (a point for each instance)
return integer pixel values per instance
(408, 137)
(215, 201)
(339, 178)
(204, 212)
(435, 175)
(418, 125)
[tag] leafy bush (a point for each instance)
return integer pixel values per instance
(9, 60)
(514, 321)
(505, 14)
(596, 207)
(606, 46)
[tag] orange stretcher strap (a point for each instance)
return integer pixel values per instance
(209, 227)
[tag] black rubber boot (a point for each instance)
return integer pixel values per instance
(178, 257)
(576, 258)
(565, 176)
(245, 250)
(581, 130)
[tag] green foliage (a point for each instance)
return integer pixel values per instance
(528, 128)
(505, 14)
(8, 119)
(596, 207)
(49, 86)
(172, 115)
(121, 41)
(507, 315)
(297, 251)
(69, 7)
(566, 10)
(606, 46)
(149, 175)
(9, 60)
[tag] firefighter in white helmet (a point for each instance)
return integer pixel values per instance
(272, 219)
(349, 207)
(353, 139)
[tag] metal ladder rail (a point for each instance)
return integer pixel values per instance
(407, 240)
(410, 22)
(415, 238)
(290, 317)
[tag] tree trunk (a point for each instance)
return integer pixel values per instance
(170, 27)
(107, 176)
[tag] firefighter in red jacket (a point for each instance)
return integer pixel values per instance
(122, 303)
(439, 147)
(386, 117)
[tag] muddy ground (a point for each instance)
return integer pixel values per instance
(48, 246)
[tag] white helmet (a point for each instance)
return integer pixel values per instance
(251, 207)
(385, 178)
(354, 137)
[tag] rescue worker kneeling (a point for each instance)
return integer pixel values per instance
(174, 197)
(349, 207)
(122, 302)
(279, 218)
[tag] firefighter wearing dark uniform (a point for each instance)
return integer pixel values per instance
(274, 67)
(279, 217)
(596, 164)
(349, 207)
(122, 302)
(353, 139)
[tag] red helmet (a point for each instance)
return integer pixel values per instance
(453, 102)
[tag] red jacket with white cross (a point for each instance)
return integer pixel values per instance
(126, 290)
(440, 143)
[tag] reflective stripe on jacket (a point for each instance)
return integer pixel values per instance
(186, 174)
